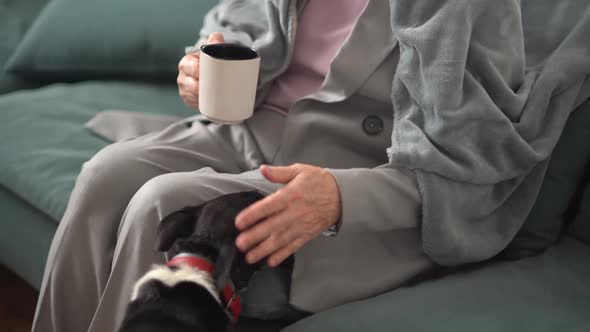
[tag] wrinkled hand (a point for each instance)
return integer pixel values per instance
(188, 74)
(284, 221)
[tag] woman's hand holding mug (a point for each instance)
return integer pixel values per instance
(188, 74)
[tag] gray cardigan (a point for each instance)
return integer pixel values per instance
(480, 97)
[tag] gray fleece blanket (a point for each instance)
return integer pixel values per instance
(481, 95)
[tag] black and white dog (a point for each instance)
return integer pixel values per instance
(198, 289)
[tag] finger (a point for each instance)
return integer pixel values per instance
(190, 99)
(182, 63)
(192, 105)
(270, 245)
(278, 257)
(191, 102)
(261, 231)
(190, 86)
(189, 65)
(262, 209)
(186, 60)
(215, 38)
(279, 174)
(180, 79)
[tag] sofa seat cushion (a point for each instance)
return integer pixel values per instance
(44, 142)
(549, 292)
(25, 238)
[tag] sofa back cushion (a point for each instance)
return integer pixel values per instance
(80, 39)
(564, 177)
(580, 227)
(15, 19)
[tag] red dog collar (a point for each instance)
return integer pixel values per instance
(195, 262)
(233, 304)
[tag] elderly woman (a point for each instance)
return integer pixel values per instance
(387, 136)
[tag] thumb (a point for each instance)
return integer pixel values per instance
(279, 174)
(215, 38)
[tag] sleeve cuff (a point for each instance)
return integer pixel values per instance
(378, 199)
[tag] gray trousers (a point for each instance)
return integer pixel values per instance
(104, 242)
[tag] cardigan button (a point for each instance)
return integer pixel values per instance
(373, 125)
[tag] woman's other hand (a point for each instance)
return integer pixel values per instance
(281, 223)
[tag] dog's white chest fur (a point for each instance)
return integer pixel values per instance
(170, 278)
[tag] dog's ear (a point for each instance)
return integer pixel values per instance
(224, 263)
(231, 265)
(176, 225)
(250, 197)
(229, 259)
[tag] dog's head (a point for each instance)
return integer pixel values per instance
(209, 230)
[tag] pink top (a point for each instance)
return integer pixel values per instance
(323, 27)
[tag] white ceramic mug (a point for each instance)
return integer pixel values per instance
(228, 77)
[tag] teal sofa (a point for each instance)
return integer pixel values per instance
(66, 60)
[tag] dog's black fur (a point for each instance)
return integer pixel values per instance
(209, 231)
